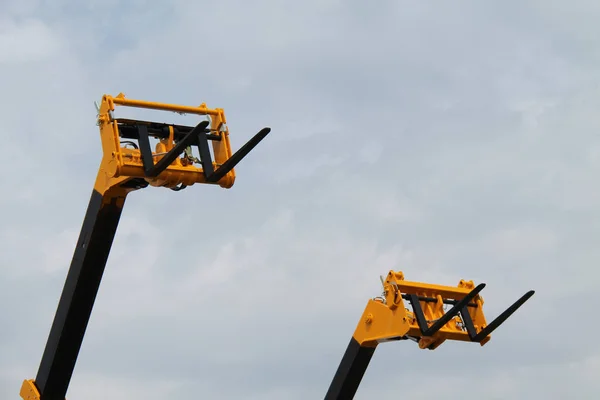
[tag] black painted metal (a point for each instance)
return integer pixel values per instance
(350, 372)
(78, 296)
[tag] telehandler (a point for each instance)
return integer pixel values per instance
(386, 318)
(129, 163)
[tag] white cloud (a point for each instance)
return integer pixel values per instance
(30, 40)
(520, 382)
(99, 387)
(57, 252)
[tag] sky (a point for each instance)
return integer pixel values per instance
(448, 140)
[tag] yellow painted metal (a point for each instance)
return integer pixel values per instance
(387, 317)
(120, 163)
(200, 110)
(380, 322)
(29, 390)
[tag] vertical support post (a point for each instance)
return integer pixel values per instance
(79, 293)
(350, 372)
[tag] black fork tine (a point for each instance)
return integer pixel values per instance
(502, 317)
(468, 322)
(238, 156)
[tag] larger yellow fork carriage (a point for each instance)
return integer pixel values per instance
(129, 163)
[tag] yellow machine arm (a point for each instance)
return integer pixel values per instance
(387, 318)
(128, 164)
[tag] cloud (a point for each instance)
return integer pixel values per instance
(27, 41)
(447, 142)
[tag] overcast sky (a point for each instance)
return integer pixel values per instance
(447, 140)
